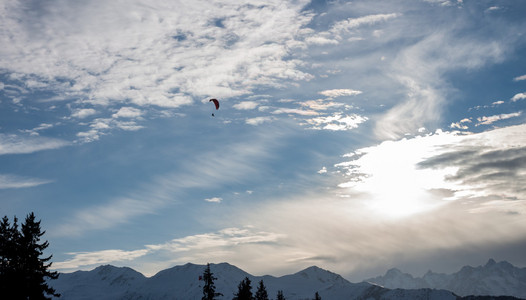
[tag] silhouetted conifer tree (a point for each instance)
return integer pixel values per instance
(317, 296)
(209, 289)
(23, 272)
(244, 290)
(261, 293)
(280, 296)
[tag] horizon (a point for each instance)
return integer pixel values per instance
(350, 135)
(490, 260)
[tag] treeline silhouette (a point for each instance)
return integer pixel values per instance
(23, 272)
(244, 289)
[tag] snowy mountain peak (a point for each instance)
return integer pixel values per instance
(490, 263)
(394, 272)
(492, 279)
(182, 282)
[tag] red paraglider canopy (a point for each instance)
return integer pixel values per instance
(216, 103)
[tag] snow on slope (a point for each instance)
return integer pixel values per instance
(492, 279)
(104, 282)
(182, 282)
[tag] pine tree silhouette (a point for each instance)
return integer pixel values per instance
(280, 296)
(261, 293)
(209, 289)
(23, 272)
(317, 296)
(244, 290)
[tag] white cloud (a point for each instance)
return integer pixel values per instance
(484, 120)
(320, 40)
(420, 68)
(246, 105)
(519, 78)
(127, 112)
(518, 97)
(461, 124)
(83, 113)
(352, 23)
(129, 126)
(228, 237)
(16, 182)
(89, 136)
(14, 144)
(339, 93)
(36, 131)
(258, 120)
(96, 258)
(445, 2)
(493, 8)
(418, 174)
(295, 111)
(226, 241)
(321, 104)
(161, 54)
(115, 212)
(337, 122)
(214, 200)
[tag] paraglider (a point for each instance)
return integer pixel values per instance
(216, 103)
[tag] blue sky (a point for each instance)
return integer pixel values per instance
(355, 136)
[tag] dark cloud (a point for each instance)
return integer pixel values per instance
(497, 171)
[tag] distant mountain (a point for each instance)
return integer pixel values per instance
(182, 282)
(492, 279)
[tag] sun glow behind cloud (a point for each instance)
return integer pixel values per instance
(388, 179)
(401, 178)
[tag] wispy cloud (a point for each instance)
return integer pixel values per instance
(519, 96)
(16, 182)
(246, 105)
(226, 241)
(83, 113)
(352, 23)
(486, 120)
(258, 120)
(461, 124)
(214, 200)
(205, 169)
(295, 111)
(519, 78)
(96, 258)
(154, 55)
(115, 212)
(16, 144)
(36, 131)
(137, 75)
(321, 104)
(127, 112)
(337, 122)
(339, 93)
(419, 68)
(228, 237)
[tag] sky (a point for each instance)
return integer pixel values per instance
(356, 136)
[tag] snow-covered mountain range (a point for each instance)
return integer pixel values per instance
(182, 282)
(492, 279)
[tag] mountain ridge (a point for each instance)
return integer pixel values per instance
(182, 282)
(492, 279)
